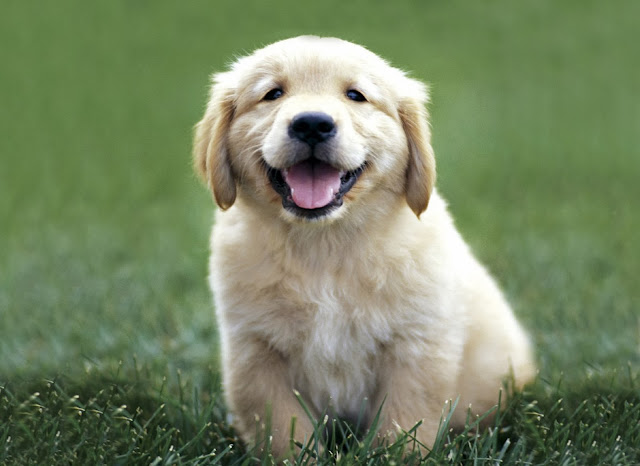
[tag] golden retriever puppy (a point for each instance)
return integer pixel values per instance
(336, 269)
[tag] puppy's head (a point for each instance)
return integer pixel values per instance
(314, 128)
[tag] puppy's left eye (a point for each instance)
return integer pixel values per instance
(356, 96)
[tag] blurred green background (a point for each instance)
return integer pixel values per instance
(103, 226)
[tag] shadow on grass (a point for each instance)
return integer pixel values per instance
(102, 419)
(118, 420)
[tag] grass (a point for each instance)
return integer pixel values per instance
(108, 346)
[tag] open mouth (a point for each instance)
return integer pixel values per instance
(312, 188)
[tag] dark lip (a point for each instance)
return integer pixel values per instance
(347, 181)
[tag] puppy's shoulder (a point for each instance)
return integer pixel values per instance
(438, 240)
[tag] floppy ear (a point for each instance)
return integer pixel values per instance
(210, 151)
(421, 170)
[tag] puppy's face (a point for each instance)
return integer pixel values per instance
(316, 129)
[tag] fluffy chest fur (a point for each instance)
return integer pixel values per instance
(338, 361)
(333, 316)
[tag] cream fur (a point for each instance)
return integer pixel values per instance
(381, 299)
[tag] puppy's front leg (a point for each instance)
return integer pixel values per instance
(261, 397)
(413, 392)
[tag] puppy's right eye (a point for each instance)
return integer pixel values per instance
(273, 94)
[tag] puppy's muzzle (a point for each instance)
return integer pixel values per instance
(312, 128)
(311, 186)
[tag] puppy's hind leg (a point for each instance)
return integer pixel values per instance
(497, 348)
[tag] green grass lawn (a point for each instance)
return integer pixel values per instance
(108, 344)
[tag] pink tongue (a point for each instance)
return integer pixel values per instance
(313, 183)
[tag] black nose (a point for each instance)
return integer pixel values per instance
(312, 127)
